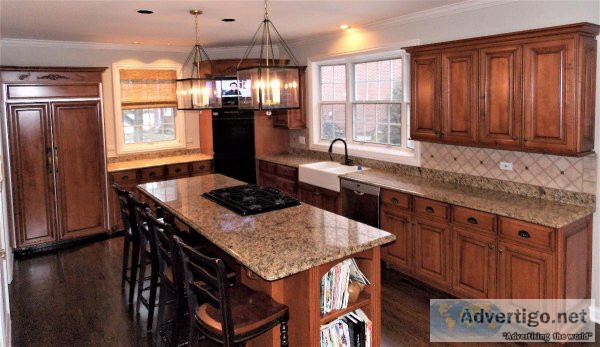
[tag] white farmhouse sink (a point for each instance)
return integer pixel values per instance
(324, 174)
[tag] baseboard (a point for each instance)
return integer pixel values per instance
(36, 250)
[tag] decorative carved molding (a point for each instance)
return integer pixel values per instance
(53, 77)
(24, 76)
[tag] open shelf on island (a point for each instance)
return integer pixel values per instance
(363, 300)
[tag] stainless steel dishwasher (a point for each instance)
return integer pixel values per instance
(360, 202)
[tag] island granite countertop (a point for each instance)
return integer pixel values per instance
(275, 244)
(534, 210)
(152, 162)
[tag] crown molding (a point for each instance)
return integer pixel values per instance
(466, 6)
(218, 52)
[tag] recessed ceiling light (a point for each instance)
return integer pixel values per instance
(228, 19)
(136, 42)
(145, 11)
(344, 26)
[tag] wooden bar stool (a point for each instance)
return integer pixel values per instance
(224, 314)
(131, 239)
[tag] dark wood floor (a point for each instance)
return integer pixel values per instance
(73, 297)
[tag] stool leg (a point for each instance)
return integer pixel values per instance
(126, 242)
(283, 328)
(141, 277)
(194, 336)
(152, 297)
(180, 306)
(162, 300)
(135, 260)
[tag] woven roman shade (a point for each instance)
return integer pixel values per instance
(148, 88)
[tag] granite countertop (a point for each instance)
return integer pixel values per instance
(144, 163)
(539, 211)
(275, 244)
(287, 159)
(534, 210)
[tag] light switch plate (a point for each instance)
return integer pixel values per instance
(302, 140)
(506, 166)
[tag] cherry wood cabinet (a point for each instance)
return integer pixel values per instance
(432, 251)
(282, 177)
(499, 94)
(535, 90)
(56, 155)
(425, 96)
(476, 254)
(320, 197)
(459, 96)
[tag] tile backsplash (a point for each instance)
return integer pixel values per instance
(576, 174)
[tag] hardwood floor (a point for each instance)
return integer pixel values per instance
(73, 297)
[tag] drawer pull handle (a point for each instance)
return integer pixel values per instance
(201, 167)
(394, 201)
(177, 170)
(152, 173)
(524, 234)
(429, 209)
(124, 177)
(472, 220)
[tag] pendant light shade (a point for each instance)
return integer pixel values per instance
(197, 91)
(269, 71)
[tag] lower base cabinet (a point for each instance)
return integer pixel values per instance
(432, 251)
(474, 263)
(525, 273)
(475, 254)
(320, 197)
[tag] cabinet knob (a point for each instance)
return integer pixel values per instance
(491, 246)
(177, 170)
(524, 234)
(125, 177)
(429, 209)
(500, 250)
(394, 201)
(472, 220)
(152, 173)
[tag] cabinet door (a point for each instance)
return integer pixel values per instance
(330, 200)
(549, 87)
(432, 252)
(398, 253)
(294, 118)
(500, 96)
(80, 168)
(474, 264)
(524, 273)
(31, 174)
(425, 96)
(309, 195)
(459, 97)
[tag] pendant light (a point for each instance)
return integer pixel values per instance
(197, 92)
(272, 80)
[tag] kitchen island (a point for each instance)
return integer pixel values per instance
(283, 253)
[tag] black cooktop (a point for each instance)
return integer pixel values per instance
(251, 199)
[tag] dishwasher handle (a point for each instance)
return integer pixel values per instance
(358, 193)
(360, 188)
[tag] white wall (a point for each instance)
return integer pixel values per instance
(459, 22)
(34, 53)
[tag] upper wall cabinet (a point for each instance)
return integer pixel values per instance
(529, 91)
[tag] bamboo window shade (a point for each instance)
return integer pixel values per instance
(148, 88)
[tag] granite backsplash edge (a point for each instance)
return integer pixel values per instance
(523, 189)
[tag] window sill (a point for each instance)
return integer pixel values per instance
(397, 156)
(155, 147)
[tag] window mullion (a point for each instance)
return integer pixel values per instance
(349, 99)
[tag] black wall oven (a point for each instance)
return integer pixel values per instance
(233, 144)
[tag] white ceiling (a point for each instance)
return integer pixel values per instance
(111, 21)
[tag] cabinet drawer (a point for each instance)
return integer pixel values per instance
(178, 170)
(401, 200)
(286, 172)
(526, 234)
(202, 167)
(124, 176)
(152, 173)
(266, 166)
(431, 208)
(286, 186)
(474, 219)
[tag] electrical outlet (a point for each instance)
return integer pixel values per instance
(302, 140)
(506, 166)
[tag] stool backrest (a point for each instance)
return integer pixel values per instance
(125, 208)
(206, 282)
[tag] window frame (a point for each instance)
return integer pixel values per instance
(129, 148)
(392, 153)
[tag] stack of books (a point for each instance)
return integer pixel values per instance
(334, 285)
(351, 330)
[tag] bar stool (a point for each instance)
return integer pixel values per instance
(224, 314)
(131, 240)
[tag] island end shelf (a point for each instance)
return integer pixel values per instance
(297, 282)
